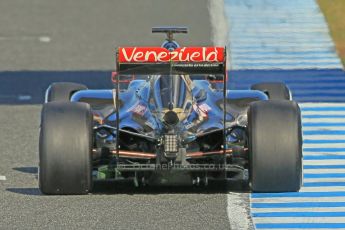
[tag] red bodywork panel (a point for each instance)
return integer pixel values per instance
(159, 54)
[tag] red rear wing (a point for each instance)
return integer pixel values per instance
(158, 60)
(161, 55)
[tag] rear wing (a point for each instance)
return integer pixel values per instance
(158, 60)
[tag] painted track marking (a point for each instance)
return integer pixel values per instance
(279, 35)
(293, 36)
(321, 201)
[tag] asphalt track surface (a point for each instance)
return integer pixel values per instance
(83, 34)
(47, 35)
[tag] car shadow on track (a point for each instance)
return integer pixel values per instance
(34, 191)
(127, 187)
(112, 188)
(102, 187)
(31, 170)
(28, 170)
(25, 191)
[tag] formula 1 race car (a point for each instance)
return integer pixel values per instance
(169, 120)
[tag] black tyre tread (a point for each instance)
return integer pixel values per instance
(274, 90)
(62, 91)
(65, 148)
(275, 146)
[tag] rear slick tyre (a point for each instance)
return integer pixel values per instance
(65, 144)
(275, 146)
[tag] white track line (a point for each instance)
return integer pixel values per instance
(327, 209)
(323, 171)
(321, 105)
(330, 112)
(301, 219)
(237, 212)
(326, 119)
(298, 199)
(324, 128)
(24, 97)
(324, 179)
(44, 39)
(331, 137)
(324, 162)
(322, 189)
(323, 145)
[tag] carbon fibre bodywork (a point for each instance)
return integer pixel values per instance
(200, 153)
(136, 97)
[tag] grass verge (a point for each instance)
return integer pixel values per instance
(334, 11)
